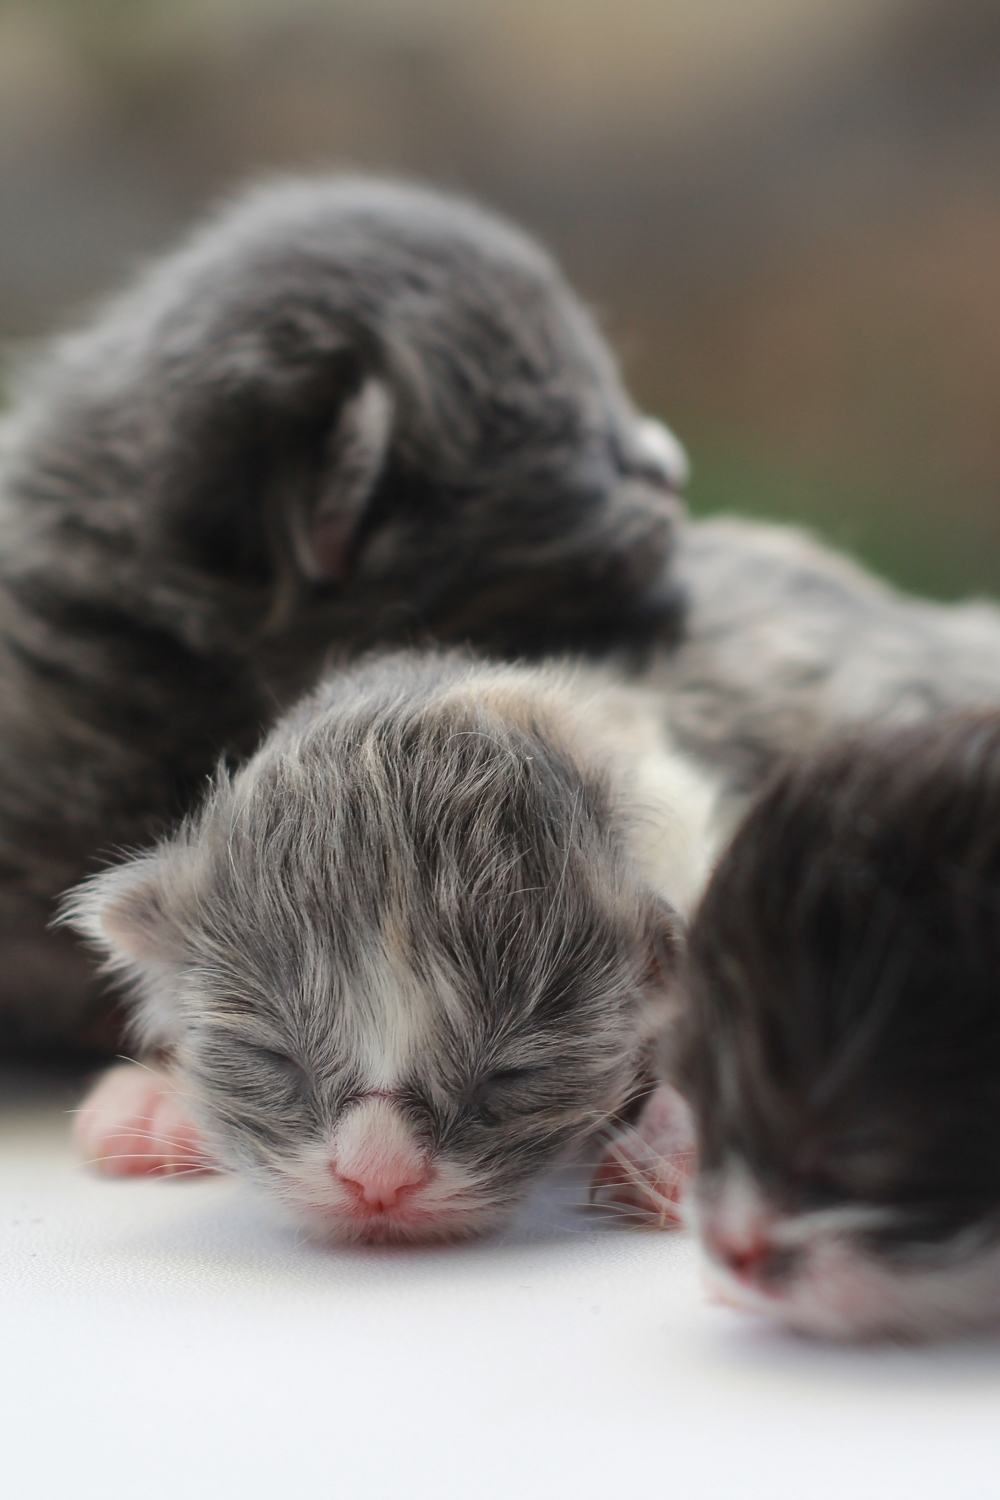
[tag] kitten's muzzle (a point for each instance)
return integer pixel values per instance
(753, 1257)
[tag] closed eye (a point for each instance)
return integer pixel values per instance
(507, 1075)
(495, 1094)
(280, 1063)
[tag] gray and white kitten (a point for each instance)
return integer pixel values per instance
(410, 952)
(343, 412)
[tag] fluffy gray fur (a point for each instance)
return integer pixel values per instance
(788, 643)
(430, 892)
(343, 412)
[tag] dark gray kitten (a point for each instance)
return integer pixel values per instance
(344, 412)
(841, 1045)
(412, 950)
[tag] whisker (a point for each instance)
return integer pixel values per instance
(96, 1161)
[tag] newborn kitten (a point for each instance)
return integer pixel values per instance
(344, 411)
(841, 1045)
(413, 950)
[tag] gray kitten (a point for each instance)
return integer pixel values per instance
(416, 947)
(343, 412)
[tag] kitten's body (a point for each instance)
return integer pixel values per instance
(788, 642)
(346, 412)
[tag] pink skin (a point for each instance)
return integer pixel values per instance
(647, 1167)
(132, 1123)
(374, 1181)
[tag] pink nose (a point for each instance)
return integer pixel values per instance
(746, 1257)
(386, 1186)
(755, 1259)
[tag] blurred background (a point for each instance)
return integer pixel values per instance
(785, 213)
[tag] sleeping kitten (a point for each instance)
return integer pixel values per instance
(414, 949)
(841, 1044)
(344, 411)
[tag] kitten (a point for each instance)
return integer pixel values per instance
(414, 949)
(841, 1044)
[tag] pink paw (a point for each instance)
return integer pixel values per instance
(132, 1122)
(646, 1167)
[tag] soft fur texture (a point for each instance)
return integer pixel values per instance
(841, 1048)
(427, 919)
(344, 412)
(788, 642)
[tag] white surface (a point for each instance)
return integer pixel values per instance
(169, 1338)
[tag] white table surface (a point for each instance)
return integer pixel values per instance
(173, 1339)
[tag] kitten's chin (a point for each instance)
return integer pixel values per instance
(335, 1227)
(860, 1300)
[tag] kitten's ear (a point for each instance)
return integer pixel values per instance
(325, 517)
(134, 913)
(665, 937)
(136, 916)
(270, 461)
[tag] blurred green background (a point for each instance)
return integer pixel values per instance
(786, 213)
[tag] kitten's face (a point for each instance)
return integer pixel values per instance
(410, 397)
(565, 543)
(398, 963)
(842, 1047)
(881, 1216)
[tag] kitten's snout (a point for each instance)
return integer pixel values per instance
(751, 1254)
(376, 1159)
(742, 1232)
(386, 1185)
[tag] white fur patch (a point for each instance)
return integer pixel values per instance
(837, 1290)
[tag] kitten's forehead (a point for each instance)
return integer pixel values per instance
(738, 1205)
(392, 1017)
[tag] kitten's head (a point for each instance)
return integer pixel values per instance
(402, 959)
(841, 1050)
(391, 404)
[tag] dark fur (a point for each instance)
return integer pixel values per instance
(843, 1034)
(345, 412)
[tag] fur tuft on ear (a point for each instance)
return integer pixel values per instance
(133, 914)
(661, 985)
(355, 452)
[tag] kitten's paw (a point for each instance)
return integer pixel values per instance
(133, 1123)
(646, 1166)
